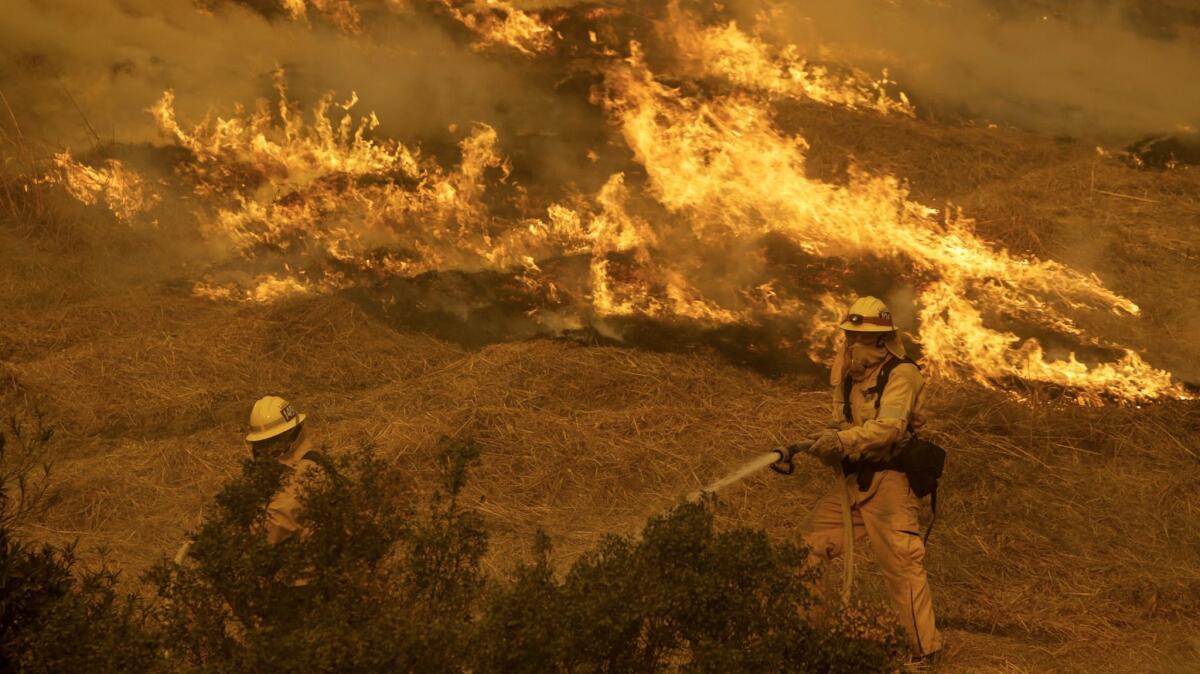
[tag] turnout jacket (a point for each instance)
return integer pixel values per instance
(877, 435)
(283, 512)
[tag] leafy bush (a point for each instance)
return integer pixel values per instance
(53, 620)
(682, 596)
(55, 617)
(371, 588)
(378, 586)
(242, 604)
(24, 468)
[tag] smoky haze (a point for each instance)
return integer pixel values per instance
(86, 68)
(1093, 68)
(78, 71)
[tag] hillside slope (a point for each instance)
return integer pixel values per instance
(1067, 537)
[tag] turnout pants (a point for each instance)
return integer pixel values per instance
(886, 514)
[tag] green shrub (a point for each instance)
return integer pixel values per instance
(53, 620)
(24, 468)
(239, 603)
(55, 617)
(682, 597)
(380, 586)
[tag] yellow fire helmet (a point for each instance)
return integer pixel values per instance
(870, 314)
(271, 416)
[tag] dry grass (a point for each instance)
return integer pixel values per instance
(1074, 524)
(1068, 532)
(1067, 538)
(27, 208)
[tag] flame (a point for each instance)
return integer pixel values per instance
(288, 182)
(124, 192)
(330, 204)
(270, 180)
(297, 9)
(728, 53)
(823, 333)
(953, 330)
(264, 289)
(721, 164)
(341, 13)
(285, 143)
(499, 23)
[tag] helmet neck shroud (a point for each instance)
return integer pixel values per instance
(278, 446)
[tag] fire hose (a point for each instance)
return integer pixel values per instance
(780, 461)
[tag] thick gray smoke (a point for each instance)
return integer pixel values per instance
(1097, 68)
(75, 70)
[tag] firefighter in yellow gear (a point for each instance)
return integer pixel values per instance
(864, 434)
(277, 432)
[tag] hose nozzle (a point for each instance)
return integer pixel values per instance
(785, 465)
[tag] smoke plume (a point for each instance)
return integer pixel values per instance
(1102, 68)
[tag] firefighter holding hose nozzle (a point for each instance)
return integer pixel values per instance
(870, 442)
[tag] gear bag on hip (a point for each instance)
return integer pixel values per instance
(920, 460)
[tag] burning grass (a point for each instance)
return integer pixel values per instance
(1058, 199)
(681, 231)
(1067, 535)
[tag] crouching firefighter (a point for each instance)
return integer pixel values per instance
(870, 441)
(277, 432)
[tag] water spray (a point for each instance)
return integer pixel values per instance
(778, 460)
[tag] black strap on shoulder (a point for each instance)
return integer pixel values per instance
(885, 373)
(881, 382)
(846, 411)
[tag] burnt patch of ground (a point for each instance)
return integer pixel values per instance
(1164, 152)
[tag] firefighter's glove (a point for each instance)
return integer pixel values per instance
(827, 448)
(836, 425)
